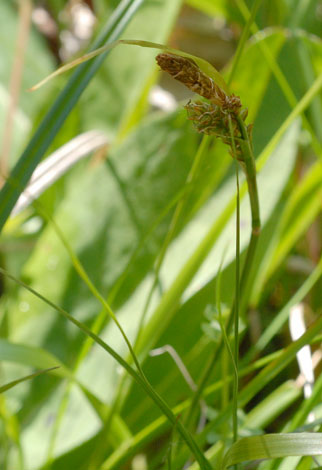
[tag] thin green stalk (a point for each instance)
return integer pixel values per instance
(243, 39)
(141, 380)
(223, 326)
(237, 293)
(250, 170)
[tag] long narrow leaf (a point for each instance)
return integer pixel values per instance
(4, 388)
(203, 64)
(272, 446)
(140, 379)
(59, 111)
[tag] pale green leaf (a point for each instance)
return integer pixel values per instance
(272, 446)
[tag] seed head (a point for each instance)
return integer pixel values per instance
(187, 72)
(211, 117)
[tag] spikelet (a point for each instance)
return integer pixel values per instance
(187, 72)
(211, 117)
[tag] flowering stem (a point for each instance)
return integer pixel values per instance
(237, 294)
(248, 163)
(250, 171)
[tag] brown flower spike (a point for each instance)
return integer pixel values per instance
(208, 118)
(187, 72)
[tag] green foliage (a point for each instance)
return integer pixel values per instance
(94, 407)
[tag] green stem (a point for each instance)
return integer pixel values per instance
(237, 294)
(250, 171)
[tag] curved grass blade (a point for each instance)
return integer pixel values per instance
(4, 388)
(58, 163)
(203, 64)
(59, 111)
(272, 446)
(140, 379)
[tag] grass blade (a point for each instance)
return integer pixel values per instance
(13, 383)
(59, 111)
(272, 446)
(141, 380)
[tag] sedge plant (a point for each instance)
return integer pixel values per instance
(220, 114)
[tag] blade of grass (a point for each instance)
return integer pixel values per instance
(300, 210)
(32, 356)
(141, 380)
(237, 286)
(283, 315)
(203, 64)
(159, 426)
(266, 375)
(13, 383)
(272, 446)
(243, 39)
(280, 78)
(59, 111)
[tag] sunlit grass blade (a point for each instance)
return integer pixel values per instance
(13, 383)
(59, 111)
(272, 446)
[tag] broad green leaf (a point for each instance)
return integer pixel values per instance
(272, 446)
(37, 357)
